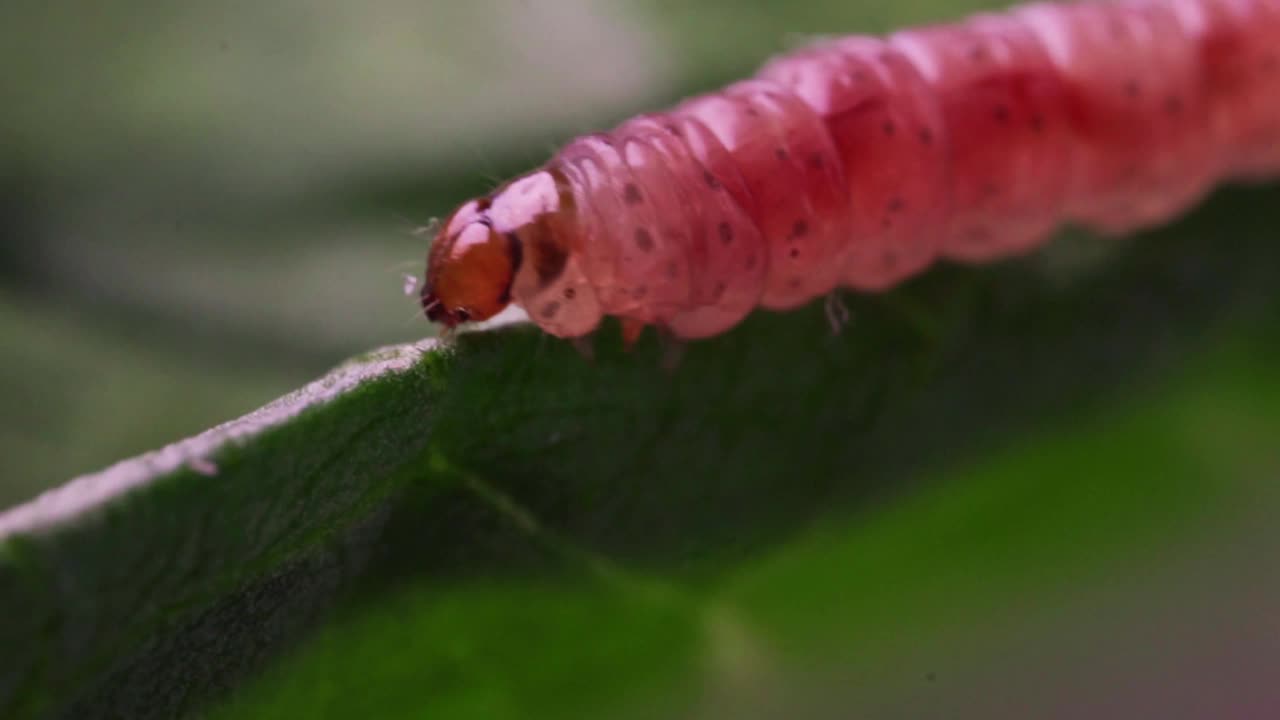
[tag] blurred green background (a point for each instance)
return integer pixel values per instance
(203, 205)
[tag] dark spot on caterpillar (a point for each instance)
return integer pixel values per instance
(720, 288)
(569, 293)
(896, 204)
(816, 161)
(885, 57)
(794, 283)
(548, 258)
(673, 270)
(674, 130)
(800, 228)
(1037, 123)
(977, 53)
(1001, 114)
(752, 112)
(711, 180)
(632, 195)
(859, 75)
(1132, 89)
(794, 253)
(926, 136)
(1173, 105)
(781, 154)
(886, 223)
(550, 309)
(888, 128)
(639, 292)
(989, 189)
(726, 233)
(644, 240)
(751, 261)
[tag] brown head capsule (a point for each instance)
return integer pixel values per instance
(510, 247)
(470, 268)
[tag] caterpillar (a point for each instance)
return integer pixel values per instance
(858, 161)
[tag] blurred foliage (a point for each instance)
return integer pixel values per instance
(83, 388)
(1043, 486)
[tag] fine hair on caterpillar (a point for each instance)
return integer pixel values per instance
(858, 161)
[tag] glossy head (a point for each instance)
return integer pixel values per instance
(508, 247)
(470, 268)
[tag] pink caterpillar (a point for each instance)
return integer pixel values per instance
(858, 161)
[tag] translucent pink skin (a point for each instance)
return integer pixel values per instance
(857, 162)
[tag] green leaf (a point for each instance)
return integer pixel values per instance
(498, 528)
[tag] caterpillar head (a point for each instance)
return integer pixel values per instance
(470, 268)
(476, 258)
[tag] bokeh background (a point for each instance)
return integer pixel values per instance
(203, 205)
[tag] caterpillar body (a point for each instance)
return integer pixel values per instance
(859, 161)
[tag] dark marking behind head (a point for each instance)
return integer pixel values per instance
(516, 249)
(548, 257)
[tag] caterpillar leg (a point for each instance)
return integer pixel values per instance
(837, 311)
(631, 331)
